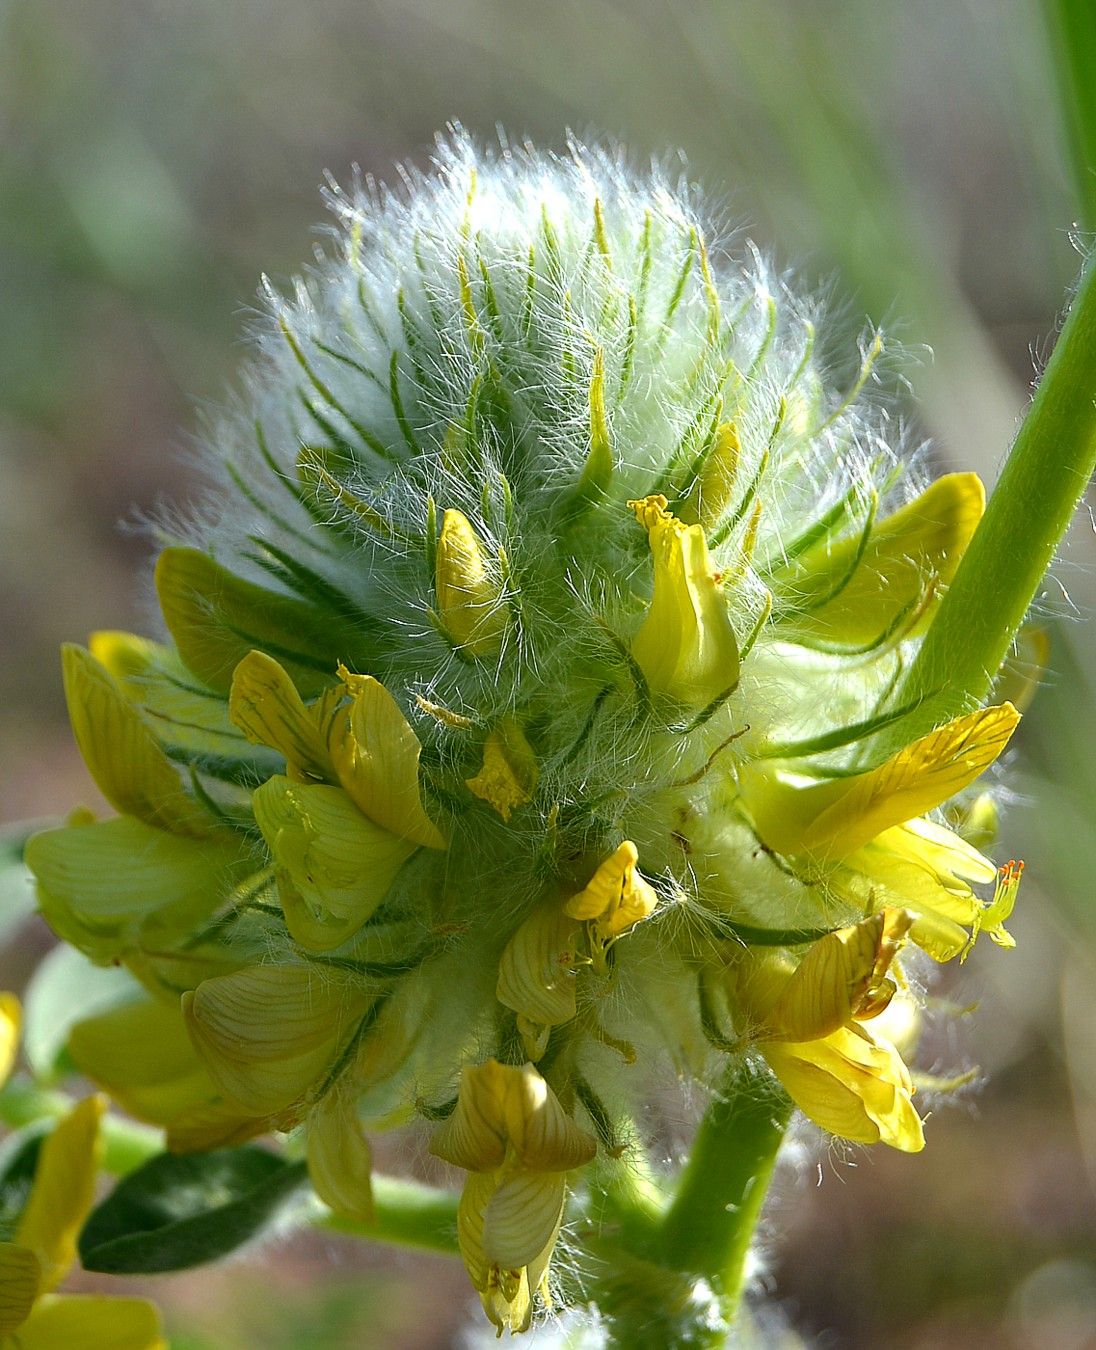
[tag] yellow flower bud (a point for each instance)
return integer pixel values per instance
(686, 646)
(472, 602)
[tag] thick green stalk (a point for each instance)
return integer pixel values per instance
(710, 1223)
(1047, 470)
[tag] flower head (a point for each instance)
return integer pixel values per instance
(542, 546)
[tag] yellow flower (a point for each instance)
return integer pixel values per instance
(686, 647)
(809, 1024)
(830, 820)
(928, 869)
(614, 900)
(43, 1246)
(510, 1131)
(348, 812)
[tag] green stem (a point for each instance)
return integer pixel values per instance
(710, 1223)
(407, 1213)
(1048, 469)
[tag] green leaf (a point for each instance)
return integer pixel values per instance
(176, 1212)
(65, 989)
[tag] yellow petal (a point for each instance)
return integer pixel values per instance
(340, 862)
(269, 1035)
(910, 556)
(179, 711)
(122, 754)
(536, 972)
(20, 1277)
(522, 1218)
(837, 977)
(835, 818)
(63, 1190)
(616, 896)
(93, 1322)
(941, 849)
(11, 1021)
(265, 705)
(502, 1106)
(312, 926)
(472, 602)
(340, 1161)
(853, 1085)
(101, 885)
(505, 1295)
(142, 1055)
(925, 867)
(376, 758)
(509, 774)
(942, 938)
(686, 646)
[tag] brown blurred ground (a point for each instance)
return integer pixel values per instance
(155, 157)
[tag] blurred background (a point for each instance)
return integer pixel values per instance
(916, 160)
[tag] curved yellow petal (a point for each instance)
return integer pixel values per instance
(522, 1218)
(472, 602)
(840, 978)
(20, 1278)
(178, 710)
(11, 1022)
(502, 1107)
(510, 772)
(93, 1322)
(340, 1161)
(848, 595)
(505, 1295)
(122, 754)
(340, 862)
(835, 818)
(375, 754)
(269, 1035)
(220, 1124)
(686, 646)
(63, 1190)
(616, 897)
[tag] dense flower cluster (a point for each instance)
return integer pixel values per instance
(518, 727)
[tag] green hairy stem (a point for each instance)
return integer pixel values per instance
(1045, 475)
